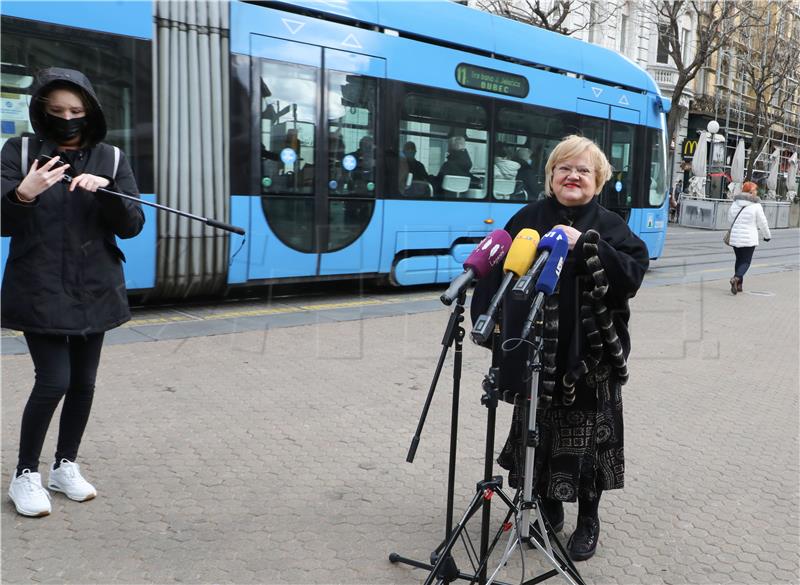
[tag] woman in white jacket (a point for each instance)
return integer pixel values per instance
(748, 220)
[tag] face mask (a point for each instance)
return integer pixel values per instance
(62, 130)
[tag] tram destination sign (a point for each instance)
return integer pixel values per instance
(490, 80)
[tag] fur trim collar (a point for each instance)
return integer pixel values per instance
(747, 197)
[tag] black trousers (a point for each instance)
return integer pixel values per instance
(66, 367)
(743, 258)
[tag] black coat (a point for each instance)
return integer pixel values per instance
(64, 270)
(623, 255)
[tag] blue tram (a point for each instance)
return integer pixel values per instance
(350, 139)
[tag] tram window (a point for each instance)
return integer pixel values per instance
(595, 130)
(619, 191)
(352, 162)
(526, 135)
(287, 127)
(352, 101)
(448, 138)
(118, 67)
(656, 181)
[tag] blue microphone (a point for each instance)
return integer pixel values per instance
(525, 285)
(557, 244)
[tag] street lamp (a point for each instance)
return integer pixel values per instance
(713, 128)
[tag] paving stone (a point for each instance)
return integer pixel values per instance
(278, 455)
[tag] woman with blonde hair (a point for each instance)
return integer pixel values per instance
(748, 219)
(580, 453)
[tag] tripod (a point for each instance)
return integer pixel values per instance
(443, 569)
(543, 537)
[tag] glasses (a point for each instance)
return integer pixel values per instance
(584, 172)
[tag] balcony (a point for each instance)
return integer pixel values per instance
(666, 77)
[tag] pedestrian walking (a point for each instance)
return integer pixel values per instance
(747, 220)
(63, 285)
(580, 452)
(675, 202)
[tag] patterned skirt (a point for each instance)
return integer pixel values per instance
(580, 446)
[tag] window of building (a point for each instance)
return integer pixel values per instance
(686, 45)
(118, 67)
(662, 53)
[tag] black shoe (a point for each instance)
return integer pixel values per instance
(583, 542)
(734, 285)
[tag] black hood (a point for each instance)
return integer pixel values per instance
(95, 130)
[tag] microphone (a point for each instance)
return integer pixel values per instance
(519, 260)
(524, 287)
(479, 263)
(66, 178)
(548, 279)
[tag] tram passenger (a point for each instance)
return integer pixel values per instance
(504, 166)
(458, 162)
(363, 175)
(63, 285)
(526, 174)
(412, 173)
(581, 450)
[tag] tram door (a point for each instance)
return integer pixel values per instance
(316, 111)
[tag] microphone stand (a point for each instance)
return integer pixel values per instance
(443, 569)
(454, 333)
(206, 220)
(540, 535)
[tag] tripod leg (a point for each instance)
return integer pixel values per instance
(445, 553)
(542, 539)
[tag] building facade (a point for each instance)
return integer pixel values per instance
(721, 90)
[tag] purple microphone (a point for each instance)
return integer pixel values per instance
(486, 255)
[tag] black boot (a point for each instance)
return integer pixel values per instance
(553, 511)
(583, 541)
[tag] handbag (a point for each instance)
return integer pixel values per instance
(727, 237)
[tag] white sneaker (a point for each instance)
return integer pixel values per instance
(28, 495)
(68, 479)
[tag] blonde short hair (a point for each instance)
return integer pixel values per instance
(573, 146)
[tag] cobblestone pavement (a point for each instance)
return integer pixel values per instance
(278, 456)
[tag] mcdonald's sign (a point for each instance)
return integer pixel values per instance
(689, 146)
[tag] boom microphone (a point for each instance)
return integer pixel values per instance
(548, 279)
(524, 287)
(479, 263)
(211, 222)
(519, 260)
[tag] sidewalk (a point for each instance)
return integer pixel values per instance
(278, 456)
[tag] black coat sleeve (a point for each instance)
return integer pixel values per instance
(14, 215)
(123, 216)
(625, 259)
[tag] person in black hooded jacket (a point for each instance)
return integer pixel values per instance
(63, 285)
(586, 342)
